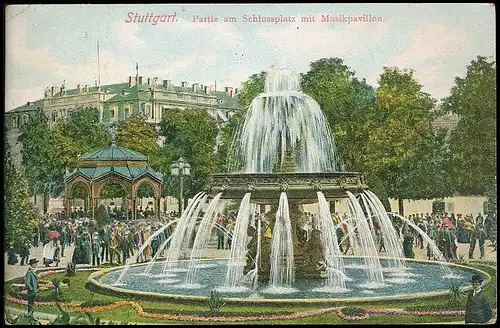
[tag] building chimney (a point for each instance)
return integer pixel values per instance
(149, 81)
(167, 83)
(140, 80)
(205, 88)
(229, 91)
(195, 87)
(78, 88)
(52, 89)
(236, 91)
(185, 84)
(129, 81)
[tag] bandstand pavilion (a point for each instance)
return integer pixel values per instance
(114, 164)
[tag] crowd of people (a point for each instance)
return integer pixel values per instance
(447, 231)
(119, 240)
(115, 242)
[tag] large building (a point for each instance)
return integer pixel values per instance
(115, 102)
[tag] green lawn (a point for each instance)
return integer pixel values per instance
(78, 292)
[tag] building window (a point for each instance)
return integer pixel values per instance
(143, 109)
(112, 113)
(26, 118)
(15, 122)
(149, 112)
(54, 116)
(127, 112)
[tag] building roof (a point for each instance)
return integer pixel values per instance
(228, 102)
(30, 106)
(119, 155)
(114, 153)
(110, 88)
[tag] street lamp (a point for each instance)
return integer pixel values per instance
(180, 168)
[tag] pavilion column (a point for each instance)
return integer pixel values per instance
(134, 201)
(157, 205)
(67, 206)
(94, 206)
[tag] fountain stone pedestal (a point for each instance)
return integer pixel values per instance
(301, 188)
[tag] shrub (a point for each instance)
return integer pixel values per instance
(456, 295)
(353, 311)
(215, 302)
(102, 216)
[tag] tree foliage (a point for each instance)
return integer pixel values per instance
(50, 152)
(102, 216)
(251, 88)
(473, 140)
(347, 103)
(403, 149)
(35, 153)
(136, 134)
(192, 135)
(19, 213)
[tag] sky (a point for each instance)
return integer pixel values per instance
(47, 45)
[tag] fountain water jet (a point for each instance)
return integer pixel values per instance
(374, 269)
(282, 274)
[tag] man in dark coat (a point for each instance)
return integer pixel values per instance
(480, 235)
(478, 308)
(31, 284)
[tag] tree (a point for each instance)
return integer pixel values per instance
(102, 216)
(136, 134)
(251, 89)
(50, 152)
(190, 134)
(19, 213)
(35, 141)
(347, 103)
(403, 150)
(473, 140)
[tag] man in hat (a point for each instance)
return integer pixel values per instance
(445, 240)
(480, 235)
(478, 308)
(31, 283)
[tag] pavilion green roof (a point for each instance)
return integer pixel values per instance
(127, 172)
(115, 153)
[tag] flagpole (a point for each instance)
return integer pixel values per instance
(98, 66)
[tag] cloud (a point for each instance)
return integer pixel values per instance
(433, 41)
(15, 97)
(18, 50)
(429, 53)
(126, 34)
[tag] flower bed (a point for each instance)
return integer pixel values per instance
(77, 307)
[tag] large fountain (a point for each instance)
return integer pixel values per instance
(283, 159)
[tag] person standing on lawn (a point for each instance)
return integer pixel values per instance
(31, 283)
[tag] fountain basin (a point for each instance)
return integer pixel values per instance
(301, 188)
(427, 275)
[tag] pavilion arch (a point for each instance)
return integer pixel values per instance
(73, 186)
(114, 164)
